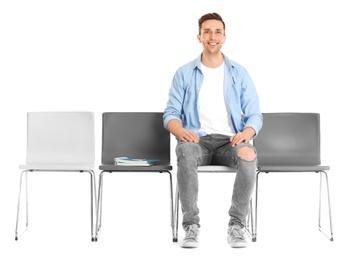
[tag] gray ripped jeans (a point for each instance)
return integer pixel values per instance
(214, 149)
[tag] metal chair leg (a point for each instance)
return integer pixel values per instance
(17, 235)
(174, 236)
(329, 205)
(320, 198)
(99, 206)
(254, 235)
(93, 204)
(250, 219)
(176, 215)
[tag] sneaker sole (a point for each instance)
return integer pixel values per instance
(238, 245)
(189, 245)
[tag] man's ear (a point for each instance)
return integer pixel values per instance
(224, 39)
(199, 37)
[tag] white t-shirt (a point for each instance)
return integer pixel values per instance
(213, 114)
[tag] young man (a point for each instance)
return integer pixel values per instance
(213, 110)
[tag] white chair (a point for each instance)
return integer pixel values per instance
(59, 142)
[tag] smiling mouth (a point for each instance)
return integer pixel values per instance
(212, 43)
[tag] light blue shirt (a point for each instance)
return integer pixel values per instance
(240, 96)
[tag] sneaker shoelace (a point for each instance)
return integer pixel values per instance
(191, 233)
(237, 232)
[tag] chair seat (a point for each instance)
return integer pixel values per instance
(157, 168)
(57, 167)
(215, 168)
(292, 168)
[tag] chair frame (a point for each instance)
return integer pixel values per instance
(25, 175)
(100, 199)
(330, 237)
(216, 169)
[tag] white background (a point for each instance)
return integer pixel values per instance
(106, 56)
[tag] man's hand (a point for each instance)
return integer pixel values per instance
(244, 136)
(188, 136)
(184, 135)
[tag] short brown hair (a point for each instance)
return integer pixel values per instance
(210, 16)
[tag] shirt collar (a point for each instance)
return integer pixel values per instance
(197, 62)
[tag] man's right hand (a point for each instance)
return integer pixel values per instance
(184, 135)
(188, 136)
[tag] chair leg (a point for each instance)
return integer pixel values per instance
(254, 235)
(26, 205)
(251, 220)
(174, 236)
(94, 207)
(249, 224)
(99, 207)
(329, 205)
(176, 215)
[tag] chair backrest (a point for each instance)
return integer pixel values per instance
(289, 139)
(138, 135)
(60, 138)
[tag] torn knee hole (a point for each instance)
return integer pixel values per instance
(247, 153)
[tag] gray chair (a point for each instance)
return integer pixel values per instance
(58, 142)
(136, 135)
(290, 142)
(215, 169)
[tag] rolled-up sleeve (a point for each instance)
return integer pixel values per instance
(242, 99)
(174, 106)
(250, 104)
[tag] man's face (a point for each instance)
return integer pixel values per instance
(212, 36)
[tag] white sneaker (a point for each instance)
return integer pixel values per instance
(191, 237)
(236, 236)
